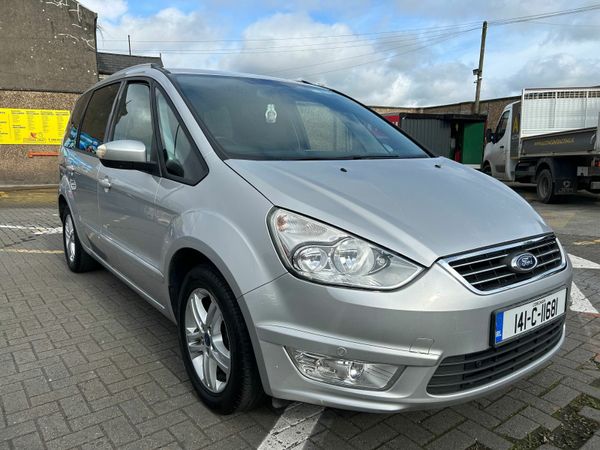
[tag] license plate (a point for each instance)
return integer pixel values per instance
(515, 321)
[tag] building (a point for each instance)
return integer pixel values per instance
(449, 130)
(109, 63)
(48, 57)
(459, 137)
(491, 109)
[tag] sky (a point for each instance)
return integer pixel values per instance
(386, 52)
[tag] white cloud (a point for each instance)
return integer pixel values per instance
(396, 70)
(106, 9)
(169, 29)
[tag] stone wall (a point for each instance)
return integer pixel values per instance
(47, 46)
(15, 166)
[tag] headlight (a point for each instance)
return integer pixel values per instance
(324, 254)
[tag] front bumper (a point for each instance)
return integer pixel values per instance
(416, 326)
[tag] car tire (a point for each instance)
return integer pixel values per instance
(77, 258)
(545, 187)
(211, 343)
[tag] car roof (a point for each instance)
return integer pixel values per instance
(153, 70)
(149, 69)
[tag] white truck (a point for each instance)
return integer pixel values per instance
(550, 138)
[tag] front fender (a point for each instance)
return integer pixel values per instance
(240, 258)
(230, 229)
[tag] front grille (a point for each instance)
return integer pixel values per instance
(459, 373)
(489, 270)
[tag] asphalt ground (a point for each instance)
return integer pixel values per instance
(87, 363)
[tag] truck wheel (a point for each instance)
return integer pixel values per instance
(545, 187)
(77, 258)
(487, 169)
(215, 344)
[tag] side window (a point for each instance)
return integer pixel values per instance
(74, 122)
(93, 127)
(501, 128)
(133, 119)
(182, 160)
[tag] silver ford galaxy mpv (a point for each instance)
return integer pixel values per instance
(306, 248)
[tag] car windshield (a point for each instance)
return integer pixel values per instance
(277, 120)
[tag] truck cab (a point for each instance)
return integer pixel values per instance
(497, 154)
(549, 138)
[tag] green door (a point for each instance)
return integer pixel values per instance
(472, 145)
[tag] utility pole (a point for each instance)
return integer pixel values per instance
(479, 71)
(129, 42)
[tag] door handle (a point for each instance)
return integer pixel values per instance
(502, 147)
(105, 183)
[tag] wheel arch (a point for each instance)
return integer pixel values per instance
(184, 259)
(180, 263)
(544, 164)
(62, 205)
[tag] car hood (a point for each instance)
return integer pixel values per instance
(422, 208)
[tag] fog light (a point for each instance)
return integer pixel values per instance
(343, 372)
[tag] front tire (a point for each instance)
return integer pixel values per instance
(77, 258)
(545, 187)
(215, 344)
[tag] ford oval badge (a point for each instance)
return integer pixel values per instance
(523, 263)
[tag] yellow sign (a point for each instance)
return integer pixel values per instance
(32, 126)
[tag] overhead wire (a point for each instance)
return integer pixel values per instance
(435, 41)
(497, 22)
(329, 36)
(390, 42)
(298, 48)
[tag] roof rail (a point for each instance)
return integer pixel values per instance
(160, 68)
(300, 80)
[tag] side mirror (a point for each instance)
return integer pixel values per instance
(489, 135)
(125, 154)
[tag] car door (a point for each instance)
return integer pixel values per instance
(82, 164)
(499, 157)
(130, 238)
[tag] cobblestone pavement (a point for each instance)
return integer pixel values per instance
(85, 362)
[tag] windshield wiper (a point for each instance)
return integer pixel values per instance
(344, 158)
(376, 157)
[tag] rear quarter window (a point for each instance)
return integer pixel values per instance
(93, 127)
(74, 122)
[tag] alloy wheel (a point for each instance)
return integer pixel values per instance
(70, 238)
(207, 340)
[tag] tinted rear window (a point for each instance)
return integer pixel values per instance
(96, 117)
(74, 121)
